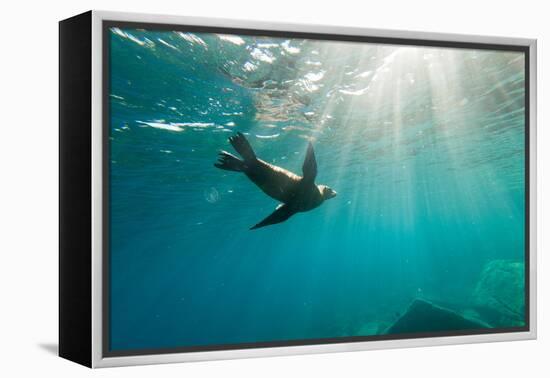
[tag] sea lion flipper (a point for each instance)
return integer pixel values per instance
(230, 162)
(309, 168)
(241, 145)
(281, 214)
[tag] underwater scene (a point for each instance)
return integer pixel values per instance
(283, 190)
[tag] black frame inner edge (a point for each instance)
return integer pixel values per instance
(108, 24)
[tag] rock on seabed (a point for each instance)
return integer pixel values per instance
(423, 316)
(499, 295)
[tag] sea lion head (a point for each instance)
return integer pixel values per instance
(327, 192)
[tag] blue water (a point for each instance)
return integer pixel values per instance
(425, 147)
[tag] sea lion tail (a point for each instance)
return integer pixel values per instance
(230, 162)
(241, 145)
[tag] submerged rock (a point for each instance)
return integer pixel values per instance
(499, 296)
(423, 316)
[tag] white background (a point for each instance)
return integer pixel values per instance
(28, 200)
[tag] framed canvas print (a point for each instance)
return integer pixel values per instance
(236, 189)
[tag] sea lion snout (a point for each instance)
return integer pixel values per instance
(328, 192)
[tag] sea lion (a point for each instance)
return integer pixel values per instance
(297, 194)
